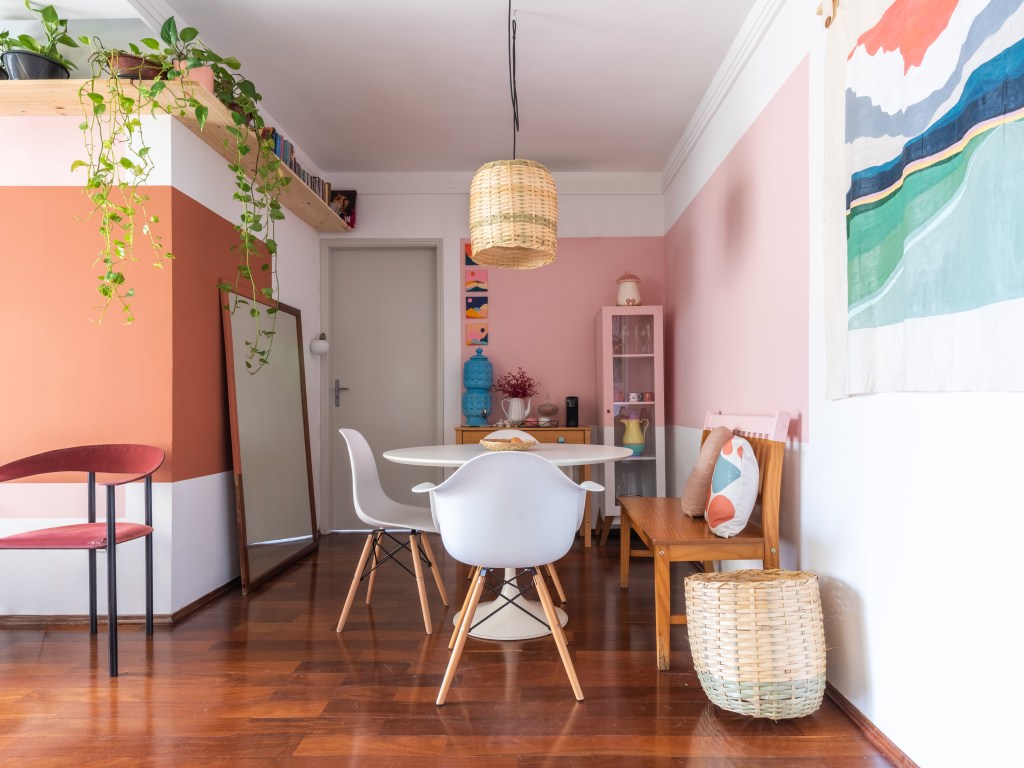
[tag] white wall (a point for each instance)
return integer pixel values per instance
(890, 487)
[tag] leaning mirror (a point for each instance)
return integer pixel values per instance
(269, 442)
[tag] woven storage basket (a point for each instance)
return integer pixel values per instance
(758, 641)
(513, 215)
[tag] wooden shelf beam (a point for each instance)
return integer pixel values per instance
(61, 98)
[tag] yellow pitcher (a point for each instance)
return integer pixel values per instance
(635, 436)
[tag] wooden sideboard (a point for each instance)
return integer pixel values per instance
(576, 435)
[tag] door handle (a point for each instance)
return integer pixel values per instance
(338, 389)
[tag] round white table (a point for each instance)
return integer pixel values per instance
(559, 454)
(511, 624)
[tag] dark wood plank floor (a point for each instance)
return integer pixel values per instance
(264, 680)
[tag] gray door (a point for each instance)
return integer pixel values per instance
(385, 354)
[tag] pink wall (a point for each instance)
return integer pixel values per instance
(544, 319)
(737, 276)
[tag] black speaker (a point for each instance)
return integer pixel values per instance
(572, 411)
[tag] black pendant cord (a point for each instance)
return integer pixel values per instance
(512, 77)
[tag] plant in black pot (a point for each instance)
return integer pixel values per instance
(6, 42)
(26, 58)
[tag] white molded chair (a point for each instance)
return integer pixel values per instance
(508, 510)
(508, 434)
(383, 514)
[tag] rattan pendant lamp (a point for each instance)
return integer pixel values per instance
(513, 204)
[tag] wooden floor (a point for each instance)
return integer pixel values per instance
(265, 680)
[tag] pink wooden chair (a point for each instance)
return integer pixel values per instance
(115, 465)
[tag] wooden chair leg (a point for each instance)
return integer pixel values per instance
(559, 635)
(420, 586)
(553, 574)
(467, 621)
(473, 573)
(355, 582)
(606, 528)
(377, 536)
(425, 541)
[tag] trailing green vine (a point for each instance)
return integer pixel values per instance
(261, 208)
(118, 163)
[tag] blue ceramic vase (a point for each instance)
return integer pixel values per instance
(477, 378)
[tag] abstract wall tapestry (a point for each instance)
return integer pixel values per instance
(926, 291)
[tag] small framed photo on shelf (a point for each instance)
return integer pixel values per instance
(343, 203)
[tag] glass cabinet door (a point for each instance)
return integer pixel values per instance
(634, 393)
(631, 401)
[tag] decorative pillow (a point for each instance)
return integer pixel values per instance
(733, 488)
(698, 484)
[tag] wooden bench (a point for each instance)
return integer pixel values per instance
(670, 536)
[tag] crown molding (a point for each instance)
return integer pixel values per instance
(457, 183)
(750, 35)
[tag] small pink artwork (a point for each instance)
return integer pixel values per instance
(476, 281)
(476, 307)
(476, 334)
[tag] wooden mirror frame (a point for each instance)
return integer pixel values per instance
(276, 380)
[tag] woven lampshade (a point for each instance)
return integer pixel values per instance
(513, 215)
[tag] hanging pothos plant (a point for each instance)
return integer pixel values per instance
(258, 194)
(118, 163)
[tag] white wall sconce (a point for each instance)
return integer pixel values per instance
(319, 345)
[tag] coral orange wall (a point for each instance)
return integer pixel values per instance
(202, 242)
(71, 379)
(544, 319)
(737, 276)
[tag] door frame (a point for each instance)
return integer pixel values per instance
(329, 247)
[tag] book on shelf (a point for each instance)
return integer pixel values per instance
(285, 150)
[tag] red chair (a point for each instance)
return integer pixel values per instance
(116, 464)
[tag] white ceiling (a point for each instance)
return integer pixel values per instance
(406, 85)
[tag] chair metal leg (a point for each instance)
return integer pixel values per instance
(111, 581)
(92, 593)
(149, 584)
(355, 582)
(91, 506)
(149, 556)
(420, 586)
(558, 584)
(377, 536)
(425, 541)
(473, 573)
(467, 621)
(559, 635)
